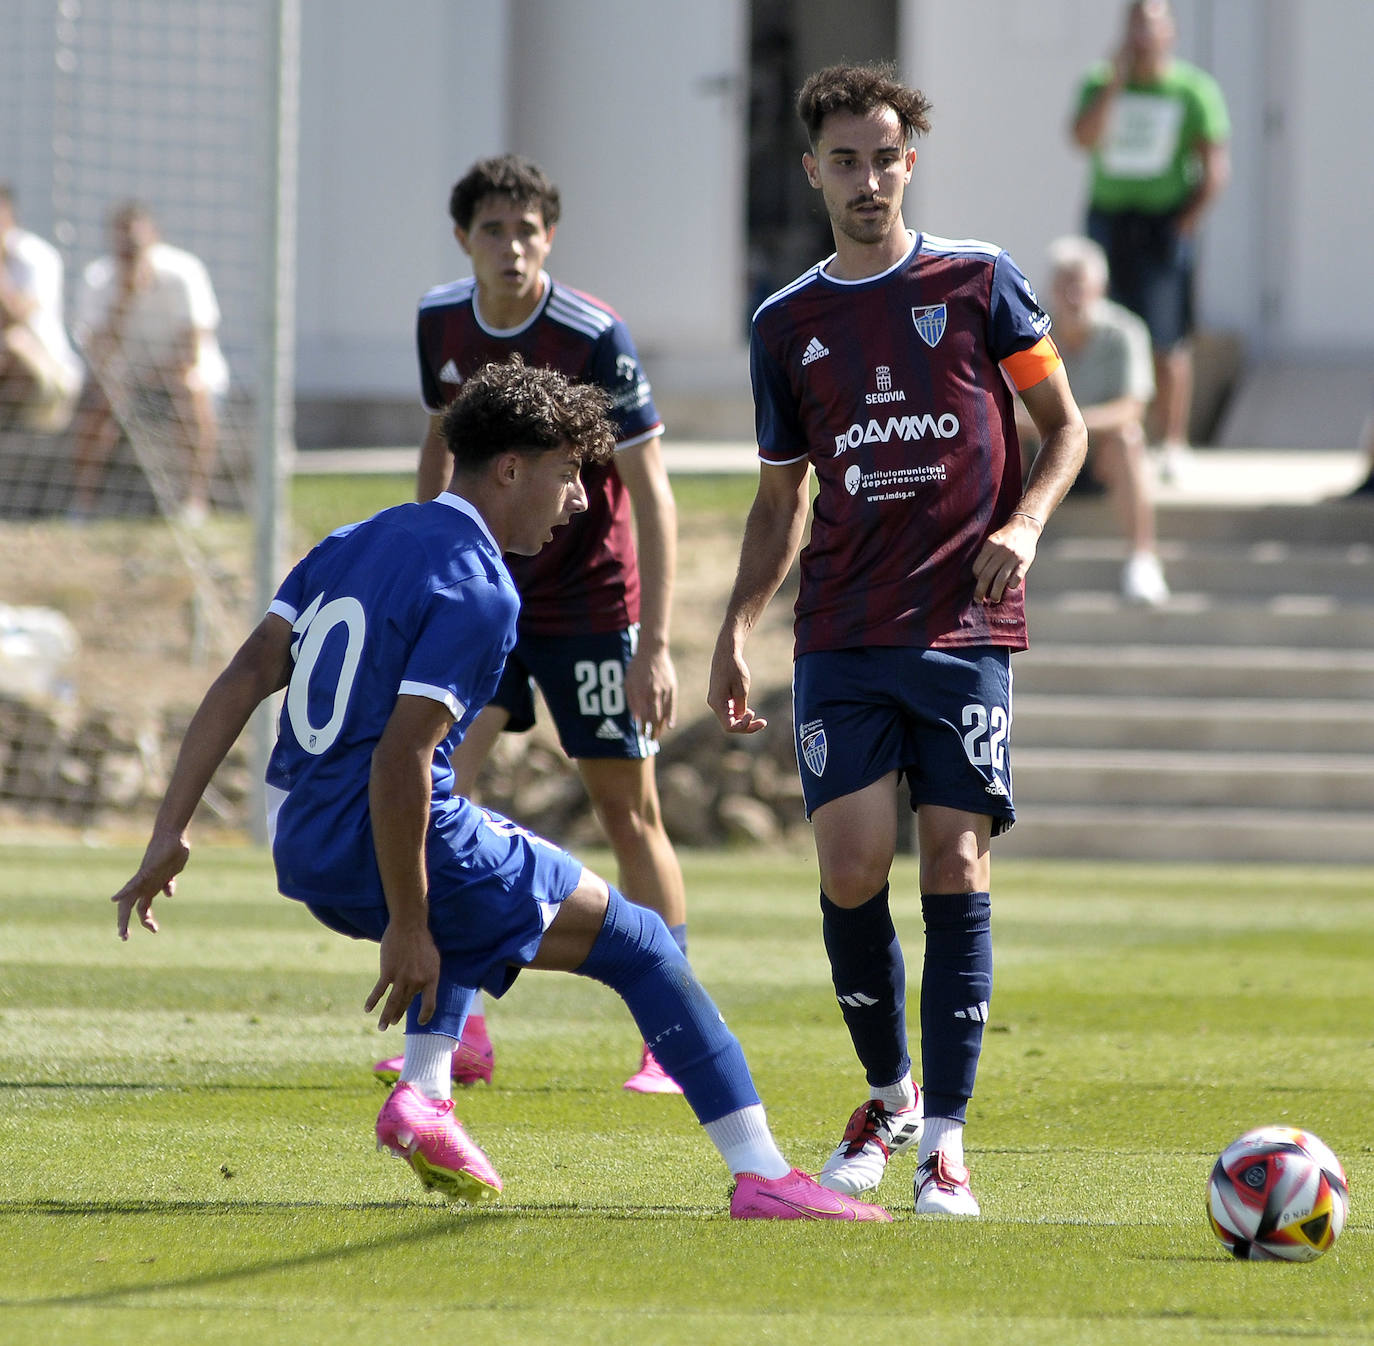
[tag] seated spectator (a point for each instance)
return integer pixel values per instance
(40, 375)
(146, 318)
(1106, 352)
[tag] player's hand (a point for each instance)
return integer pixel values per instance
(651, 690)
(164, 859)
(728, 693)
(410, 967)
(1002, 561)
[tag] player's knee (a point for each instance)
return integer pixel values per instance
(850, 880)
(630, 820)
(632, 939)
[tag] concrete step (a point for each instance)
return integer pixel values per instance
(1134, 669)
(1327, 781)
(1301, 622)
(1213, 834)
(1267, 569)
(1321, 523)
(1180, 723)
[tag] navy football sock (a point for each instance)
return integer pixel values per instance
(955, 989)
(636, 957)
(870, 983)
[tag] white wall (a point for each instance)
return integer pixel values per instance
(396, 102)
(1327, 302)
(637, 112)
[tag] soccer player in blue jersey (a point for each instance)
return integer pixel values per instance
(388, 638)
(888, 369)
(595, 602)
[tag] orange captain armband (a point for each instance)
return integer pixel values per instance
(1027, 368)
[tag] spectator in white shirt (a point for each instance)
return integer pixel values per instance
(146, 318)
(40, 375)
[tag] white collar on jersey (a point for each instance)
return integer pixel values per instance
(514, 331)
(465, 506)
(868, 280)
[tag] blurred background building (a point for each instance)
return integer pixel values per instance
(670, 130)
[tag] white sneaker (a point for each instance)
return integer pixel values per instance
(1142, 580)
(1175, 459)
(871, 1137)
(942, 1188)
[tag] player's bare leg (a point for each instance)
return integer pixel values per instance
(624, 793)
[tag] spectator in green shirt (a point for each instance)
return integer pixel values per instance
(1156, 129)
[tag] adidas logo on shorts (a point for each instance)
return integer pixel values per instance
(607, 729)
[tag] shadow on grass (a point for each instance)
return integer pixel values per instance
(445, 1222)
(167, 1086)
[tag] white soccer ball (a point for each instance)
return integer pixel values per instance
(1277, 1194)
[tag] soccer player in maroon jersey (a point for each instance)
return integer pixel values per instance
(595, 603)
(888, 369)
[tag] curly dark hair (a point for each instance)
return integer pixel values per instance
(512, 176)
(515, 407)
(861, 89)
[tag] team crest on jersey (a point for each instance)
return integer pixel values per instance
(930, 323)
(813, 746)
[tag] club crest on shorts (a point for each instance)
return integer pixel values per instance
(812, 737)
(930, 323)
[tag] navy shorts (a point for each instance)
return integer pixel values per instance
(1151, 270)
(942, 718)
(583, 682)
(494, 887)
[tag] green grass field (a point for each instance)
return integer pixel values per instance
(186, 1124)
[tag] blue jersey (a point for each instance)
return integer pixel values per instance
(414, 601)
(898, 390)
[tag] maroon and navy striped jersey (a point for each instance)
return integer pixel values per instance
(587, 578)
(898, 389)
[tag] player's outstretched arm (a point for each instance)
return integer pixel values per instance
(772, 534)
(261, 667)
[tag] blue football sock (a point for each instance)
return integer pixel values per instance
(679, 934)
(956, 986)
(870, 983)
(451, 1004)
(636, 957)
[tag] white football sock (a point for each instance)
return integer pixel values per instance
(895, 1097)
(428, 1064)
(942, 1133)
(746, 1144)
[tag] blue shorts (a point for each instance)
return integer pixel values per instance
(494, 887)
(1151, 269)
(942, 718)
(583, 682)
